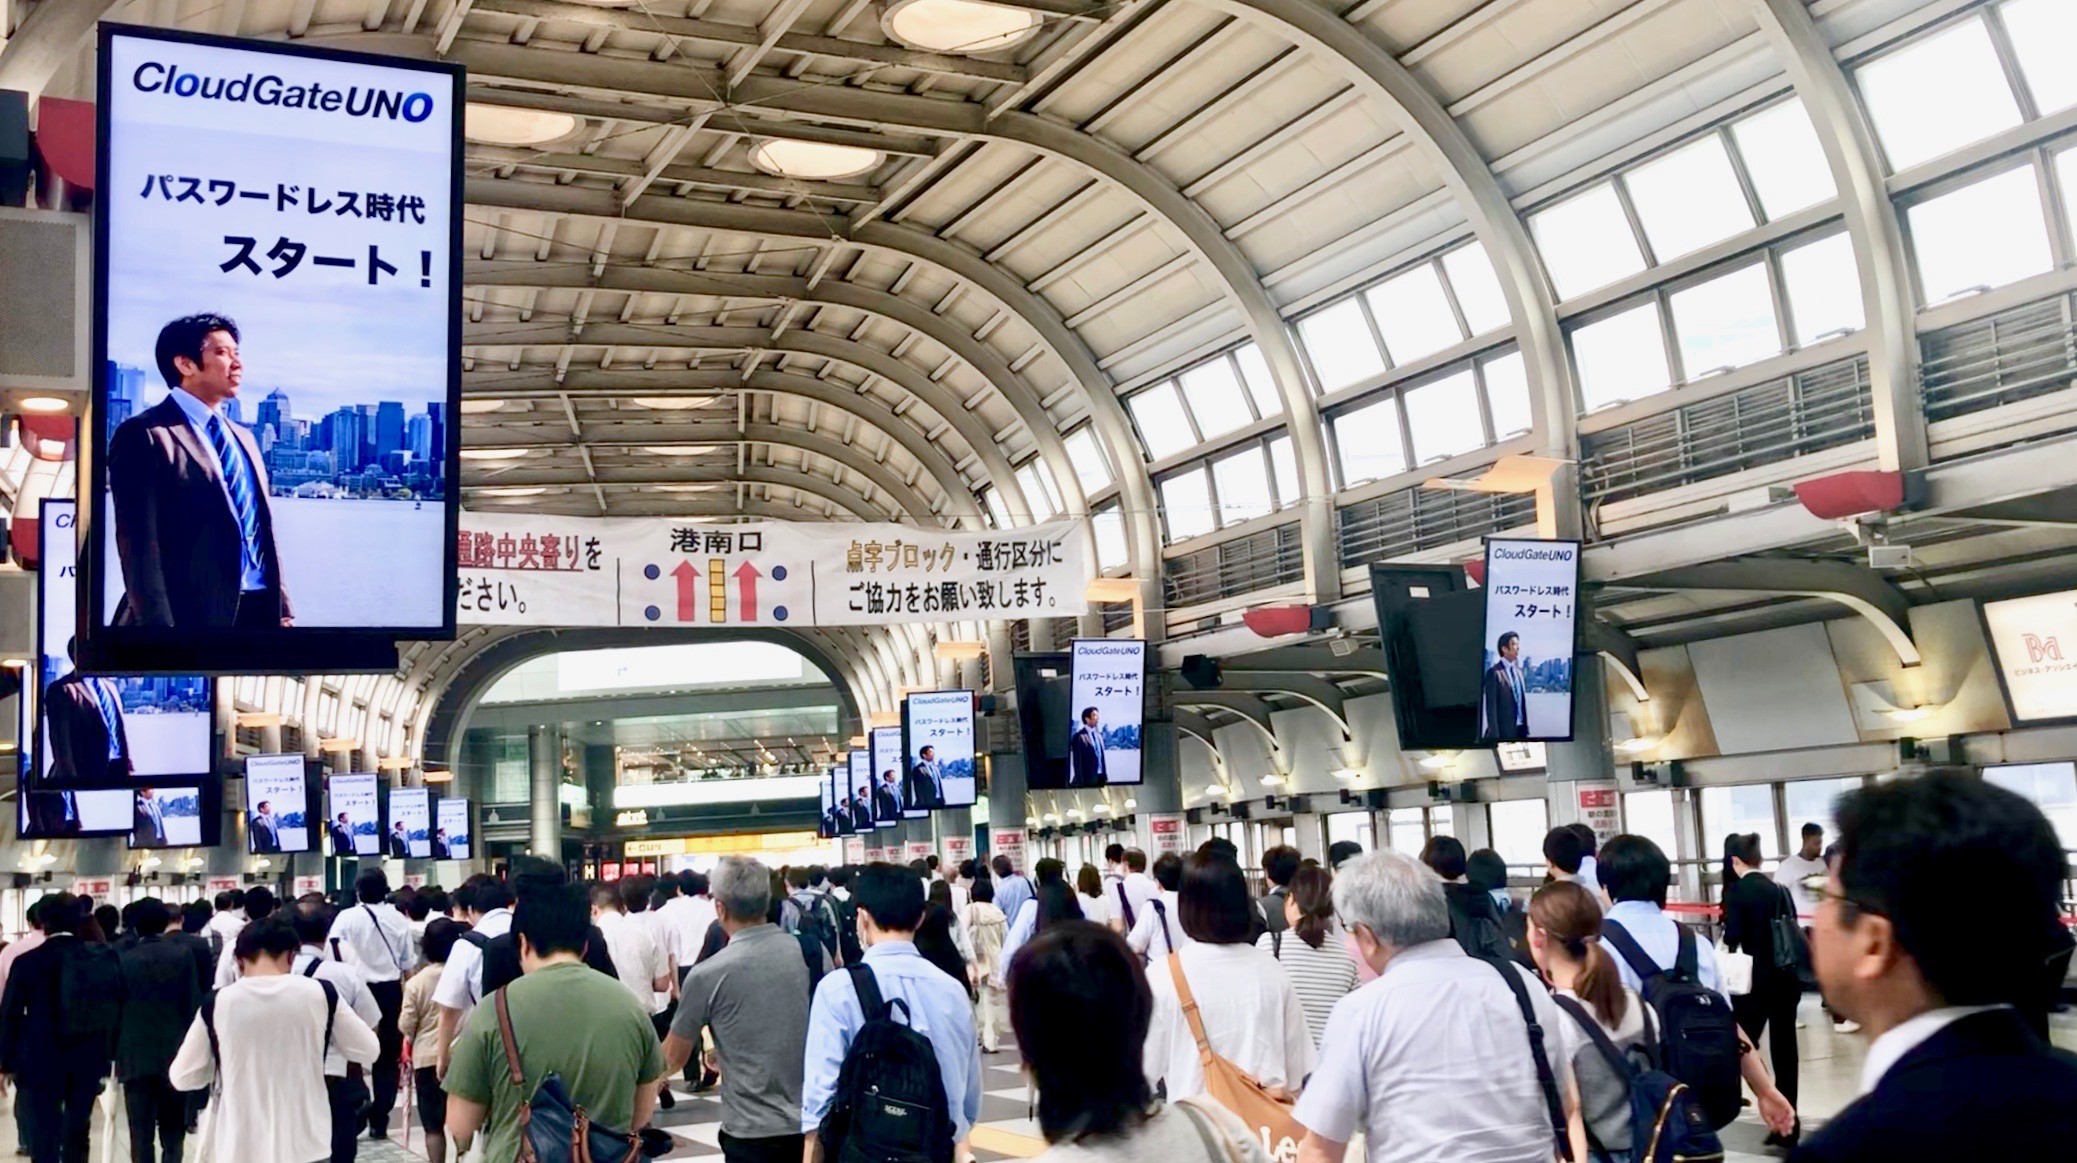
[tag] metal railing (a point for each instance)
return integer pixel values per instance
(1243, 565)
(2028, 351)
(1410, 520)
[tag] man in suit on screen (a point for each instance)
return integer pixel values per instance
(194, 528)
(440, 850)
(1085, 760)
(50, 813)
(399, 842)
(342, 836)
(862, 810)
(887, 801)
(925, 788)
(149, 830)
(265, 828)
(1503, 703)
(83, 722)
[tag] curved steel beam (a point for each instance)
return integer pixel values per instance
(1856, 587)
(1202, 729)
(1310, 689)
(49, 36)
(1251, 710)
(1871, 222)
(1372, 68)
(1619, 650)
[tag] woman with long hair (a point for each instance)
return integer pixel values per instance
(936, 938)
(1081, 1007)
(1309, 951)
(1089, 895)
(1565, 940)
(1752, 903)
(985, 928)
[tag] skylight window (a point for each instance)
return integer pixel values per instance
(1938, 94)
(1586, 241)
(1688, 199)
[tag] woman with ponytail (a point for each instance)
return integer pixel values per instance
(1565, 939)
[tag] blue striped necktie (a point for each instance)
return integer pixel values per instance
(242, 504)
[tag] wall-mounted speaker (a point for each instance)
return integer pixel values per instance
(1201, 671)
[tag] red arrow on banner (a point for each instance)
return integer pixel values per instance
(688, 577)
(746, 576)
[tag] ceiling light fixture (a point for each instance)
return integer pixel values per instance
(957, 26)
(812, 161)
(479, 407)
(1439, 760)
(673, 403)
(513, 491)
(505, 125)
(1640, 743)
(711, 487)
(493, 453)
(43, 405)
(1272, 780)
(1347, 773)
(679, 449)
(1909, 714)
(1215, 789)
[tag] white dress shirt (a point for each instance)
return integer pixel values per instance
(375, 939)
(1139, 888)
(1094, 908)
(461, 986)
(1251, 1016)
(1907, 1036)
(353, 993)
(272, 1108)
(637, 958)
(1659, 936)
(1154, 934)
(1431, 1061)
(688, 918)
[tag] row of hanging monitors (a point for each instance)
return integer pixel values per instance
(282, 814)
(905, 772)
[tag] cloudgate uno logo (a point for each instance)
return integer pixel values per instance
(270, 90)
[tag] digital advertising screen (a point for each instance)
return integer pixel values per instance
(826, 819)
(277, 803)
(1531, 633)
(174, 816)
(451, 830)
(277, 309)
(891, 804)
(104, 730)
(938, 741)
(859, 764)
(410, 824)
(56, 815)
(1108, 699)
(353, 814)
(2026, 635)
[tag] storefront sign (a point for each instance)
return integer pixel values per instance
(1600, 809)
(1165, 831)
(638, 818)
(745, 844)
(1008, 842)
(2036, 643)
(518, 570)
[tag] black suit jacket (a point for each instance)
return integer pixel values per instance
(146, 832)
(78, 735)
(196, 946)
(160, 1005)
(181, 552)
(399, 847)
(264, 838)
(47, 813)
(1983, 1088)
(921, 789)
(1497, 710)
(342, 841)
(1085, 758)
(884, 805)
(32, 1018)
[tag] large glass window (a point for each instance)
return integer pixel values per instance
(1408, 828)
(1784, 158)
(1622, 357)
(1517, 828)
(1728, 810)
(1087, 456)
(1479, 295)
(1342, 349)
(1650, 814)
(1163, 426)
(1261, 388)
(1823, 288)
(2052, 787)
(1586, 241)
(1039, 490)
(998, 509)
(1981, 236)
(1242, 481)
(1688, 198)
(1938, 94)
(1285, 464)
(1355, 827)
(1214, 395)
(1443, 418)
(1414, 315)
(1507, 394)
(1186, 502)
(1726, 322)
(1810, 801)
(2066, 176)
(2044, 39)
(1111, 551)
(1367, 441)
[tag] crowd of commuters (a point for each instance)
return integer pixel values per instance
(1162, 1012)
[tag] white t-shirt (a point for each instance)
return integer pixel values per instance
(1170, 1135)
(637, 958)
(688, 919)
(272, 1108)
(1250, 1013)
(1094, 908)
(461, 985)
(1790, 874)
(1157, 932)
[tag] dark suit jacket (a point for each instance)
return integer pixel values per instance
(1085, 757)
(197, 947)
(32, 1019)
(146, 832)
(440, 851)
(181, 552)
(842, 817)
(342, 841)
(921, 789)
(1497, 710)
(399, 847)
(1983, 1088)
(47, 813)
(884, 805)
(159, 1007)
(78, 735)
(264, 838)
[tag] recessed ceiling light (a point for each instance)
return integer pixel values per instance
(673, 403)
(513, 491)
(705, 488)
(505, 125)
(493, 453)
(957, 26)
(678, 449)
(479, 407)
(812, 161)
(43, 404)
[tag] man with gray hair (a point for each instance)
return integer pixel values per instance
(1434, 1059)
(753, 995)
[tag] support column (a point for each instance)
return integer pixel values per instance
(544, 754)
(1006, 791)
(1588, 758)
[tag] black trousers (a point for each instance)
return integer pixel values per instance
(389, 998)
(344, 1099)
(155, 1108)
(1771, 1006)
(56, 1110)
(777, 1149)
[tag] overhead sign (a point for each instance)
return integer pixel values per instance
(1108, 702)
(277, 349)
(1531, 634)
(522, 570)
(2036, 643)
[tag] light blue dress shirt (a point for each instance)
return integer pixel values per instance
(1010, 894)
(253, 575)
(938, 1009)
(1659, 936)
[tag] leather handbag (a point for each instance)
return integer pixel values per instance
(1269, 1117)
(552, 1127)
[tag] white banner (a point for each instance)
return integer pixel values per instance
(854, 851)
(520, 570)
(958, 850)
(1165, 830)
(916, 850)
(1599, 808)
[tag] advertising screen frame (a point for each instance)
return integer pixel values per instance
(908, 738)
(469, 822)
(885, 743)
(1488, 596)
(24, 831)
(390, 822)
(1080, 697)
(1986, 618)
(209, 793)
(858, 767)
(826, 817)
(289, 649)
(308, 804)
(331, 810)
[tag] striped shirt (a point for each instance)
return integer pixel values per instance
(1320, 976)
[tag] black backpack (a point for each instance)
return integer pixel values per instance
(1698, 1037)
(90, 993)
(1476, 927)
(890, 1102)
(216, 1055)
(847, 930)
(816, 943)
(1667, 1124)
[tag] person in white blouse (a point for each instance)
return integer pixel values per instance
(637, 958)
(1250, 1012)
(1157, 930)
(270, 1104)
(1089, 895)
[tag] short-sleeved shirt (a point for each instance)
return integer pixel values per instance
(570, 1021)
(754, 996)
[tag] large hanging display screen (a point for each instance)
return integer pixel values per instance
(938, 746)
(1108, 698)
(277, 805)
(1531, 634)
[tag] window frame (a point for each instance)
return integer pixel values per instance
(1204, 461)
(2041, 157)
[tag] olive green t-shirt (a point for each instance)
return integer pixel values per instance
(570, 1020)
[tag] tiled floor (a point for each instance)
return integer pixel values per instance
(1831, 1065)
